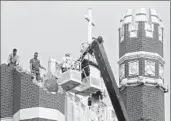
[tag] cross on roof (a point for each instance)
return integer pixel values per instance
(90, 24)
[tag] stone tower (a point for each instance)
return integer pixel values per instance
(141, 65)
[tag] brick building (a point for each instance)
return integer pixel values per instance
(22, 100)
(141, 65)
(141, 81)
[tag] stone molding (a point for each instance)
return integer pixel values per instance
(7, 119)
(38, 112)
(141, 54)
(142, 81)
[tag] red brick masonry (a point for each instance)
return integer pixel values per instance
(18, 92)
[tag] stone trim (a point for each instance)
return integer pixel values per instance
(7, 119)
(39, 112)
(142, 80)
(141, 54)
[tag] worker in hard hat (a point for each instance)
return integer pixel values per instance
(35, 66)
(67, 62)
(84, 47)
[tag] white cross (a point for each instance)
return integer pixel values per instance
(90, 24)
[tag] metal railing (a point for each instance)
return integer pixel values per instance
(71, 65)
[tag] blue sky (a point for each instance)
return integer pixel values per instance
(54, 28)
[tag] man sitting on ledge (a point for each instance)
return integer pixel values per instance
(13, 59)
(35, 65)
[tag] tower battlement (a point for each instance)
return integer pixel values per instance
(132, 20)
(141, 64)
(141, 31)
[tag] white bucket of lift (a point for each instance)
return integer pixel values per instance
(70, 78)
(90, 83)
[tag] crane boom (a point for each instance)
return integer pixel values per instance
(98, 49)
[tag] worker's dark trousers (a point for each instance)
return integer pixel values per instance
(11, 65)
(64, 69)
(37, 73)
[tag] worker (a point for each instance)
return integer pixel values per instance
(97, 96)
(66, 63)
(35, 66)
(84, 47)
(13, 59)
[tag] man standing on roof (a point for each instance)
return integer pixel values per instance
(13, 59)
(35, 66)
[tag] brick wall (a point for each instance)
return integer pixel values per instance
(141, 42)
(144, 102)
(18, 92)
(6, 91)
(33, 96)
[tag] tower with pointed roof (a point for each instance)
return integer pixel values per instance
(141, 65)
